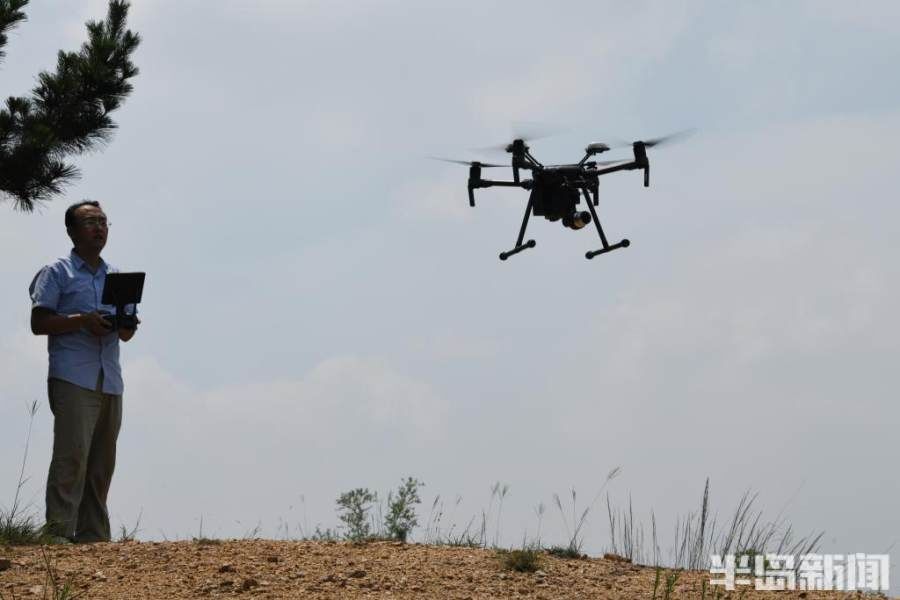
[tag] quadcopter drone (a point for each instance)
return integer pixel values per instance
(556, 190)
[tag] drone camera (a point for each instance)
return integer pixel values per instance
(577, 220)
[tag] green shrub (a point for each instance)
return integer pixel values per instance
(401, 514)
(353, 508)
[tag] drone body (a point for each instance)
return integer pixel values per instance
(556, 190)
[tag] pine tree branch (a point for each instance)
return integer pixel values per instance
(10, 16)
(68, 112)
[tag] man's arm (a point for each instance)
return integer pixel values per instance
(47, 322)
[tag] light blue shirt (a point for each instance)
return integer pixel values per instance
(68, 287)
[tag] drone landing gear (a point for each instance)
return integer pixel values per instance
(607, 247)
(517, 249)
(519, 245)
(623, 244)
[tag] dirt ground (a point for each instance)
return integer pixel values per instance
(283, 569)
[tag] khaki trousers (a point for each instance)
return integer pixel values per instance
(85, 429)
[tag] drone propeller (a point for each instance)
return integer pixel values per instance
(504, 147)
(666, 139)
(468, 163)
(526, 132)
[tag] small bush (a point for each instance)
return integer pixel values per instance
(401, 515)
(324, 535)
(526, 560)
(353, 508)
(566, 552)
(206, 541)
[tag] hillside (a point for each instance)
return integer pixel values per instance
(285, 569)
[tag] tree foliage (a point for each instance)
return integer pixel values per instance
(68, 111)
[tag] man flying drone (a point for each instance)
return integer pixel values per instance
(556, 190)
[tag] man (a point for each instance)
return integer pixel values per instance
(85, 379)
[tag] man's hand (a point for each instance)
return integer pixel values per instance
(127, 334)
(96, 324)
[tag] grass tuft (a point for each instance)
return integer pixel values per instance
(574, 532)
(130, 535)
(18, 526)
(202, 539)
(566, 552)
(524, 560)
(58, 591)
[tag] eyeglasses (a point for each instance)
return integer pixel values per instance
(95, 222)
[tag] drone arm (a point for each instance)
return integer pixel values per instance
(629, 166)
(525, 184)
(474, 184)
(612, 169)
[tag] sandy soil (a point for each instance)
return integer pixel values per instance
(278, 569)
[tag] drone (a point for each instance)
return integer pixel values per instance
(556, 190)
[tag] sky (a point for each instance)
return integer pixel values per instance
(324, 311)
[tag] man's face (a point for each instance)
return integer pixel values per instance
(90, 228)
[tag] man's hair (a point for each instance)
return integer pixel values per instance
(70, 212)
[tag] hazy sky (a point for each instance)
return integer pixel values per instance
(324, 311)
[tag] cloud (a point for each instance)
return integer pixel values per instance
(282, 10)
(876, 15)
(338, 395)
(562, 75)
(455, 346)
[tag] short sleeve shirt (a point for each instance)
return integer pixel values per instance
(68, 286)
